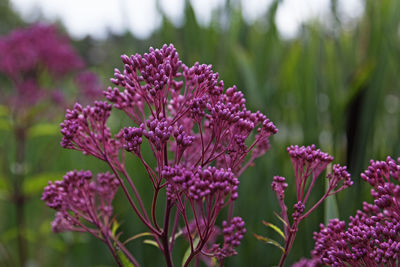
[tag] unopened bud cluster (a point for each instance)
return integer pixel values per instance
(372, 235)
(201, 136)
(80, 196)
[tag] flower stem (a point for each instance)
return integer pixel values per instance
(19, 197)
(126, 252)
(111, 248)
(165, 237)
(289, 242)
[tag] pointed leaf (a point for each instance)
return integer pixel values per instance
(115, 227)
(178, 234)
(281, 219)
(269, 241)
(188, 251)
(124, 260)
(275, 228)
(137, 236)
(151, 242)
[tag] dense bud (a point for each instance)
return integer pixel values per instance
(233, 233)
(200, 135)
(371, 237)
(77, 197)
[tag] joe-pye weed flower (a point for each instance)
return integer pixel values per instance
(202, 138)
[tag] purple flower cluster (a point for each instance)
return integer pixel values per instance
(279, 186)
(85, 129)
(79, 200)
(210, 184)
(372, 235)
(233, 234)
(133, 138)
(308, 163)
(306, 263)
(221, 118)
(158, 133)
(201, 136)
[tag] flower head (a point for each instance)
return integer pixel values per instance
(233, 233)
(203, 115)
(308, 163)
(201, 136)
(198, 184)
(85, 129)
(78, 197)
(371, 237)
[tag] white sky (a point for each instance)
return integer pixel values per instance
(96, 17)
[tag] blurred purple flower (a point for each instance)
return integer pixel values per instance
(25, 51)
(90, 86)
(35, 59)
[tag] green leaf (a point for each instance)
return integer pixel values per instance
(281, 219)
(124, 260)
(137, 236)
(5, 125)
(269, 241)
(275, 228)
(44, 129)
(188, 251)
(150, 242)
(115, 227)
(178, 234)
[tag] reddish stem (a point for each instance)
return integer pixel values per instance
(164, 236)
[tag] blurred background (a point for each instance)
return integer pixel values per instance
(326, 72)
